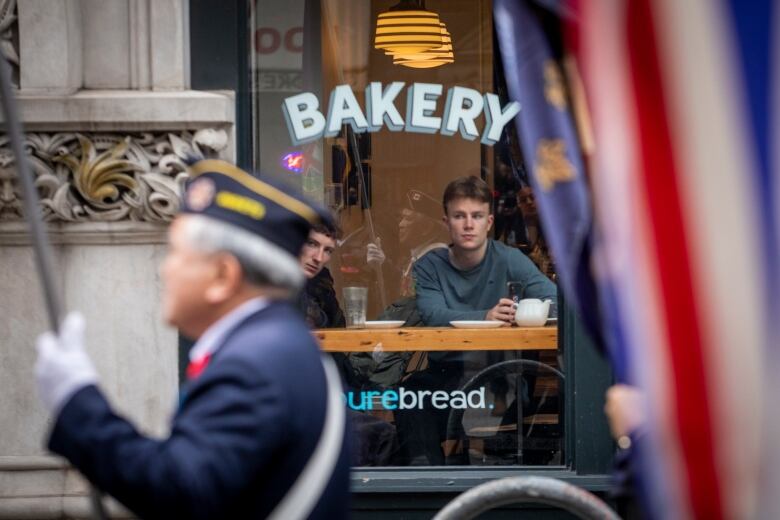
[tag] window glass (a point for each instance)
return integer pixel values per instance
(312, 64)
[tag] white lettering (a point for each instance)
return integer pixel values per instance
(439, 399)
(479, 394)
(344, 109)
(402, 398)
(458, 400)
(462, 108)
(421, 396)
(380, 107)
(460, 116)
(496, 118)
(304, 122)
(420, 105)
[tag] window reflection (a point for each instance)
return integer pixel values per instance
(385, 188)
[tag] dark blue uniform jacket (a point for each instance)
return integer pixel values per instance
(244, 431)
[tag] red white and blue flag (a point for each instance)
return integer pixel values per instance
(548, 138)
(686, 191)
(684, 104)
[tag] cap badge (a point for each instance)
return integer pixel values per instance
(200, 194)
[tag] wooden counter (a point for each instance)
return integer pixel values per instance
(445, 338)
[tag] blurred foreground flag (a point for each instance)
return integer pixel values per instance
(551, 149)
(685, 106)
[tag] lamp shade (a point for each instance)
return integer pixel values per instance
(429, 58)
(407, 31)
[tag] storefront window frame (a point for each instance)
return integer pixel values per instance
(220, 61)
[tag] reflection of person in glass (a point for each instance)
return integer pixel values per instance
(359, 261)
(525, 231)
(419, 231)
(317, 301)
(468, 280)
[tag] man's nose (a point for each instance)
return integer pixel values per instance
(469, 222)
(319, 255)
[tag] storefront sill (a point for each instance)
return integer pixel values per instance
(451, 480)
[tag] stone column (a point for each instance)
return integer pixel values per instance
(101, 84)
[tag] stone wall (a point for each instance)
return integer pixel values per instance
(109, 118)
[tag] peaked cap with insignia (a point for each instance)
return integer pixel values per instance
(268, 209)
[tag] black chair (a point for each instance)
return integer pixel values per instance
(519, 438)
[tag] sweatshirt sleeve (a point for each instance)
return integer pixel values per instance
(430, 300)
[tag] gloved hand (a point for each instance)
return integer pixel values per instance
(374, 253)
(63, 367)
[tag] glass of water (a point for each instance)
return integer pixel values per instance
(355, 303)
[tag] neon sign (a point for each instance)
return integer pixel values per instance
(462, 106)
(293, 162)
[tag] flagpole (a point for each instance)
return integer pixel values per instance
(41, 246)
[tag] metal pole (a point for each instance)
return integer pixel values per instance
(352, 143)
(367, 212)
(31, 207)
(43, 255)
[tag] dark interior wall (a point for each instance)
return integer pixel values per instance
(218, 30)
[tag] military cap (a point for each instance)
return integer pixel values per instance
(421, 202)
(266, 208)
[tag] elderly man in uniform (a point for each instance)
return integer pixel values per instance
(246, 427)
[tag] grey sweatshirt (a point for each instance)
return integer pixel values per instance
(445, 293)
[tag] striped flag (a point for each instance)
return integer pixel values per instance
(548, 139)
(686, 185)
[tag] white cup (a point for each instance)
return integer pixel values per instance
(532, 312)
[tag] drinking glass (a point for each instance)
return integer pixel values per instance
(355, 303)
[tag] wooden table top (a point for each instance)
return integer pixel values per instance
(438, 338)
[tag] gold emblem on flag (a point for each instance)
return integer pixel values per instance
(551, 163)
(554, 89)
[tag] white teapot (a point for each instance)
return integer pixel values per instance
(532, 312)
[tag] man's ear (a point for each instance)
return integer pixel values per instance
(490, 221)
(227, 281)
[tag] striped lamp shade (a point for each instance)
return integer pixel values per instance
(407, 31)
(431, 57)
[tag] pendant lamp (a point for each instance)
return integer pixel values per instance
(408, 28)
(431, 57)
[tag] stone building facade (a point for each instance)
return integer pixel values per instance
(109, 116)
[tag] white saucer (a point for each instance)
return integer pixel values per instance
(390, 324)
(477, 324)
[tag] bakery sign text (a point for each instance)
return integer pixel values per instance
(462, 107)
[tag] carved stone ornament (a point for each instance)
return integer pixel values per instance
(105, 177)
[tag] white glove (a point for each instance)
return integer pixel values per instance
(63, 367)
(378, 354)
(374, 253)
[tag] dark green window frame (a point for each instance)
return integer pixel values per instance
(219, 61)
